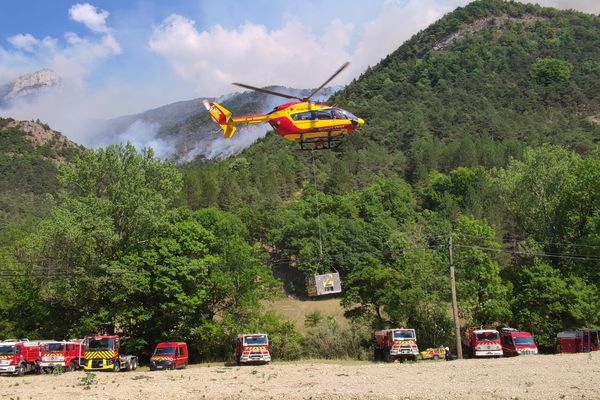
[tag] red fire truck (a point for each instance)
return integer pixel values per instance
(18, 356)
(169, 355)
(102, 353)
(252, 348)
(578, 341)
(396, 344)
(516, 342)
(65, 354)
(484, 342)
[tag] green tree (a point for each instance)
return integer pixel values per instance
(482, 294)
(547, 302)
(551, 70)
(136, 189)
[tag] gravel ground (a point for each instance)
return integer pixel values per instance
(534, 377)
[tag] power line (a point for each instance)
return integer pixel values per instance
(525, 253)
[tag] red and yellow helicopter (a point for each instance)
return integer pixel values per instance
(313, 125)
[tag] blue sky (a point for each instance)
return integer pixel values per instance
(118, 57)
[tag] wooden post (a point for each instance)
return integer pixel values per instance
(459, 352)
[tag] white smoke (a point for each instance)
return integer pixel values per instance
(220, 148)
(145, 134)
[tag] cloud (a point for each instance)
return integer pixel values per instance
(24, 42)
(93, 18)
(292, 55)
(72, 38)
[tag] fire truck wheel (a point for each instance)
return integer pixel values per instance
(117, 367)
(21, 369)
(72, 366)
(436, 357)
(132, 365)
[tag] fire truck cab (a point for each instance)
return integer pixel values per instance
(515, 343)
(396, 344)
(102, 354)
(252, 348)
(65, 354)
(484, 342)
(18, 356)
(169, 355)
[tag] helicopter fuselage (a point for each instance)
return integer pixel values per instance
(301, 121)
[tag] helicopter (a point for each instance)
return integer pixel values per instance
(313, 125)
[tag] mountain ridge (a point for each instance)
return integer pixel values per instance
(28, 85)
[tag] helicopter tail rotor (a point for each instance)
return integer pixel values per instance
(222, 117)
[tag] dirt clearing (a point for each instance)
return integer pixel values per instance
(534, 377)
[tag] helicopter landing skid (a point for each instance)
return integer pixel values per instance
(322, 143)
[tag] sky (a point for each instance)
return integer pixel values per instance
(120, 57)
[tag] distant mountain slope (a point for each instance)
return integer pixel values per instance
(184, 130)
(30, 153)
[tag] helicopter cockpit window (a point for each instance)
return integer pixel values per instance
(338, 114)
(323, 114)
(349, 115)
(303, 116)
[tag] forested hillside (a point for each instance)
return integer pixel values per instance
(483, 128)
(30, 153)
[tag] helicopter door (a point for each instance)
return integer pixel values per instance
(320, 285)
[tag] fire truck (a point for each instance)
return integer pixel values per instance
(515, 343)
(102, 354)
(484, 342)
(18, 356)
(396, 344)
(66, 354)
(169, 355)
(252, 348)
(582, 341)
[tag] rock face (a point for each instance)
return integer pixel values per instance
(29, 84)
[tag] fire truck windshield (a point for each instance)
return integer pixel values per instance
(165, 351)
(487, 336)
(524, 340)
(54, 347)
(400, 334)
(100, 344)
(259, 340)
(7, 350)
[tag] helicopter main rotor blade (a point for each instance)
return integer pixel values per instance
(267, 91)
(329, 80)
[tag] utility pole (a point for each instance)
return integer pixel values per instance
(454, 302)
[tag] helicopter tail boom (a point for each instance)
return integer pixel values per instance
(227, 122)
